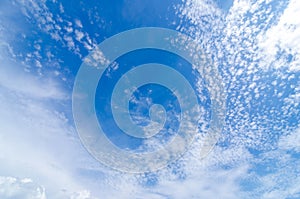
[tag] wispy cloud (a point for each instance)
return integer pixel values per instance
(37, 139)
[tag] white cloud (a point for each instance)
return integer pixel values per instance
(205, 184)
(78, 23)
(284, 36)
(14, 78)
(13, 188)
(81, 195)
(79, 35)
(291, 141)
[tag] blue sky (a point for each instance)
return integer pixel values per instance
(254, 44)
